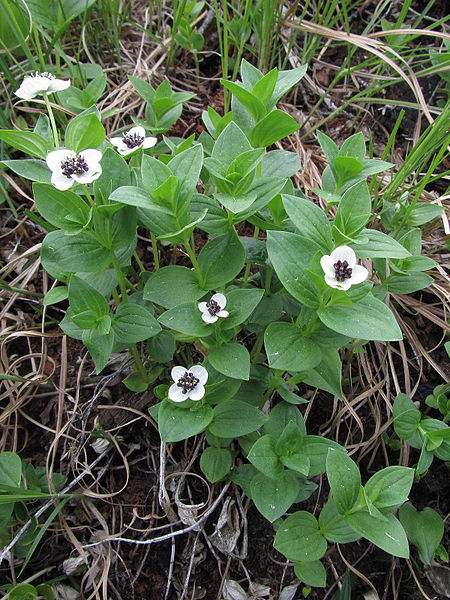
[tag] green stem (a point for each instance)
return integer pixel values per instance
(257, 347)
(194, 262)
(138, 362)
(121, 278)
(248, 265)
(52, 120)
(155, 252)
(139, 262)
(269, 273)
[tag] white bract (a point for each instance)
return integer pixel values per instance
(132, 140)
(341, 270)
(189, 383)
(67, 167)
(213, 309)
(40, 83)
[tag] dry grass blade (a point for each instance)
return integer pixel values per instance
(374, 47)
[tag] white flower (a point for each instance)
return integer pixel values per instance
(67, 167)
(188, 383)
(341, 270)
(39, 83)
(132, 140)
(213, 309)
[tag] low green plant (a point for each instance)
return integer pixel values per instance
(20, 483)
(430, 436)
(242, 323)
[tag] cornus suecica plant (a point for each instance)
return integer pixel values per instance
(233, 329)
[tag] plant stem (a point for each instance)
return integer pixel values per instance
(248, 265)
(138, 362)
(121, 278)
(52, 120)
(155, 252)
(194, 262)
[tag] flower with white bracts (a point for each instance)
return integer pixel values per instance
(189, 383)
(40, 83)
(213, 309)
(132, 140)
(67, 167)
(341, 270)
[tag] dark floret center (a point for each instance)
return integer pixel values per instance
(213, 307)
(187, 382)
(75, 165)
(133, 140)
(342, 270)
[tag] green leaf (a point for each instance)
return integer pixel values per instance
(123, 228)
(345, 168)
(263, 456)
(56, 295)
(406, 416)
(162, 346)
(10, 469)
(290, 255)
(99, 346)
(248, 100)
(316, 449)
(173, 285)
(425, 529)
(286, 80)
(65, 210)
(407, 284)
(310, 220)
(232, 359)
(115, 174)
(240, 304)
(35, 170)
(279, 418)
(353, 210)
(176, 424)
(84, 131)
(298, 538)
(133, 196)
(133, 323)
(369, 319)
(344, 479)
(26, 141)
(387, 533)
(264, 88)
(242, 476)
(333, 527)
(280, 163)
(187, 319)
(287, 349)
(216, 463)
(390, 487)
(354, 146)
(66, 254)
(230, 144)
(186, 166)
(274, 497)
(235, 418)
(424, 213)
(272, 128)
(221, 260)
(327, 375)
(329, 147)
(312, 573)
(377, 244)
(84, 297)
